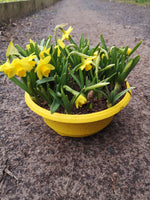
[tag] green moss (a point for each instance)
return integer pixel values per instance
(8, 1)
(137, 2)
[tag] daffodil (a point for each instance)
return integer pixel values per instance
(8, 69)
(102, 55)
(61, 44)
(80, 101)
(66, 33)
(66, 76)
(44, 68)
(43, 52)
(129, 51)
(28, 45)
(23, 65)
(86, 63)
(19, 68)
(28, 62)
(58, 50)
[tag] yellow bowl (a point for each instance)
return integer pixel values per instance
(78, 125)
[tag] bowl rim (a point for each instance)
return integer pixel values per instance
(76, 118)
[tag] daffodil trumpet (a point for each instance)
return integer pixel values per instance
(80, 98)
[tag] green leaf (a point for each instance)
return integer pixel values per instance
(53, 94)
(121, 94)
(75, 78)
(135, 48)
(81, 77)
(125, 52)
(81, 41)
(105, 52)
(72, 41)
(54, 106)
(66, 101)
(103, 42)
(87, 82)
(92, 50)
(21, 50)
(135, 61)
(48, 42)
(122, 64)
(74, 99)
(107, 67)
(63, 79)
(43, 96)
(44, 80)
(110, 77)
(42, 42)
(76, 67)
(2, 62)
(32, 48)
(20, 84)
(128, 68)
(108, 93)
(98, 85)
(63, 51)
(114, 54)
(101, 92)
(65, 68)
(36, 49)
(85, 49)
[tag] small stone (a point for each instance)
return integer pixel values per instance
(51, 151)
(111, 150)
(90, 94)
(5, 100)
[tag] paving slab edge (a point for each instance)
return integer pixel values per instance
(14, 10)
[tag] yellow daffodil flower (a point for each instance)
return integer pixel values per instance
(86, 63)
(129, 51)
(44, 51)
(19, 68)
(28, 45)
(58, 50)
(23, 65)
(66, 33)
(102, 55)
(80, 101)
(8, 69)
(96, 55)
(28, 62)
(62, 45)
(44, 68)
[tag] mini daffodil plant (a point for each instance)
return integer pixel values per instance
(64, 73)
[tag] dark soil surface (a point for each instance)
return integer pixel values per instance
(38, 164)
(93, 104)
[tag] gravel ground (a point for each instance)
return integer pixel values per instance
(38, 164)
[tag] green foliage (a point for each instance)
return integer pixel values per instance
(9, 1)
(63, 74)
(137, 2)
